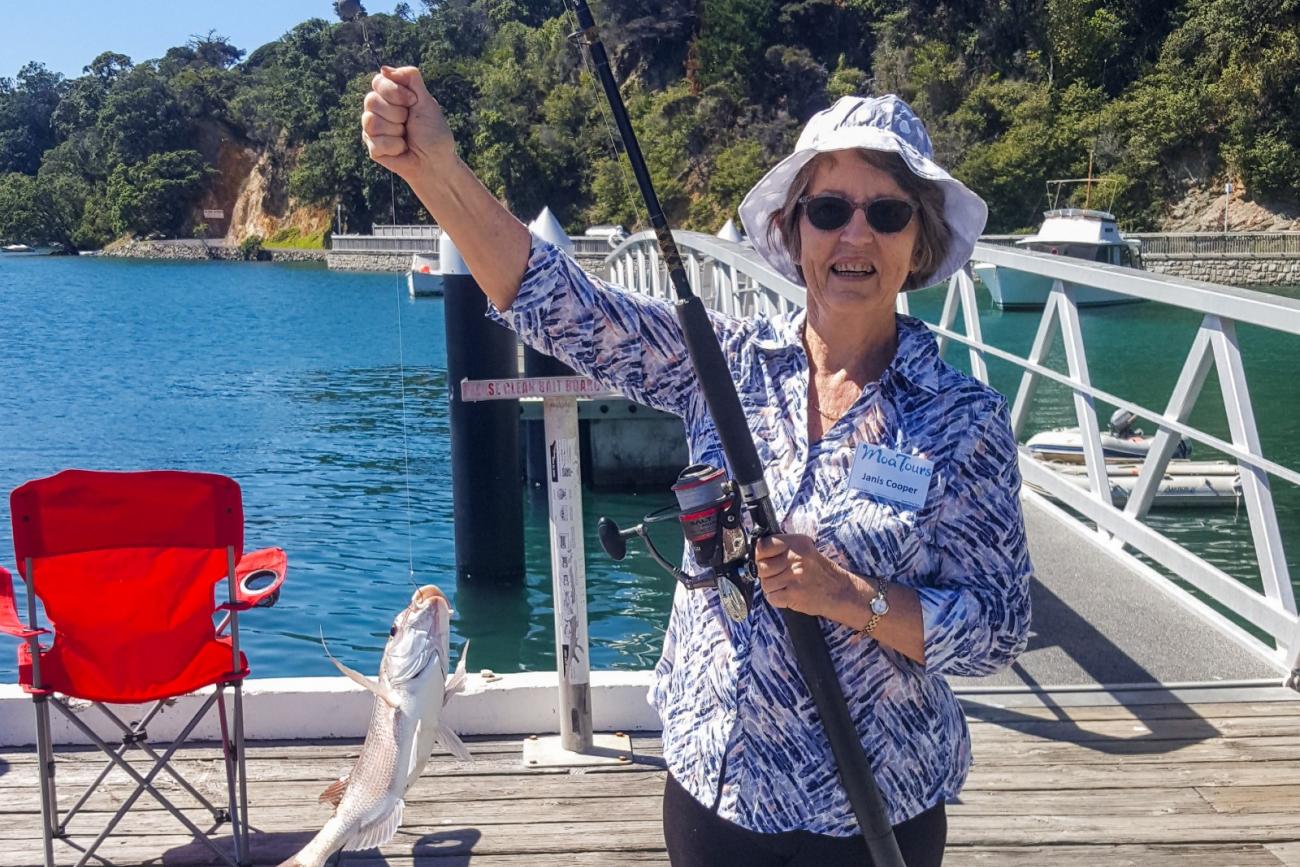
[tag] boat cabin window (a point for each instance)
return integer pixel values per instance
(1107, 254)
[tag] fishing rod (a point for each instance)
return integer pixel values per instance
(711, 369)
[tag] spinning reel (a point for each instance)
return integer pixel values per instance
(709, 509)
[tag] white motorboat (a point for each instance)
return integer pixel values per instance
(1184, 485)
(1122, 442)
(1080, 233)
(424, 279)
(16, 248)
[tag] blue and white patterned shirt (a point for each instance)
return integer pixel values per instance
(739, 727)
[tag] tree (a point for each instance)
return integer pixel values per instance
(140, 117)
(156, 195)
(26, 109)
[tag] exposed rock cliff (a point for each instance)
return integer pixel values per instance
(250, 187)
(1202, 211)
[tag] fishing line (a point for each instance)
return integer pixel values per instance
(351, 10)
(606, 117)
(360, 17)
(406, 454)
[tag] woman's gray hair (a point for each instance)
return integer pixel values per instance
(933, 236)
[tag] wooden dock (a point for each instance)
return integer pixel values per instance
(1143, 778)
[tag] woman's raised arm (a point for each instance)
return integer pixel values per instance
(405, 131)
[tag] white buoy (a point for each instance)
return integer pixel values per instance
(729, 232)
(449, 258)
(549, 229)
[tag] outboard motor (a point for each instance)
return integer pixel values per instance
(1121, 423)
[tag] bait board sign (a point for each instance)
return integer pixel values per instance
(559, 396)
(474, 390)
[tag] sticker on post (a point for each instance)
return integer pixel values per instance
(893, 476)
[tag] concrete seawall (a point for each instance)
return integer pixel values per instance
(335, 707)
(1256, 269)
(198, 250)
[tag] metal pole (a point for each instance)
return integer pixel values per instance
(239, 821)
(568, 571)
(539, 364)
(44, 744)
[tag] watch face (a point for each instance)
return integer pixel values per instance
(879, 605)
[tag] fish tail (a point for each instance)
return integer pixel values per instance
(326, 842)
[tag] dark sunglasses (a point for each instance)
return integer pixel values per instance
(828, 213)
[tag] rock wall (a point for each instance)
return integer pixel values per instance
(349, 260)
(1246, 270)
(198, 250)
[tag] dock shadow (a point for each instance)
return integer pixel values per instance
(445, 848)
(453, 847)
(1105, 663)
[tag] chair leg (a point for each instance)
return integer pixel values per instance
(228, 755)
(243, 770)
(45, 770)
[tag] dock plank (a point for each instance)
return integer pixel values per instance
(1157, 785)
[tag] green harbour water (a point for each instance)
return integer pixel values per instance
(289, 379)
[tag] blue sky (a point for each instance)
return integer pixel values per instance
(68, 34)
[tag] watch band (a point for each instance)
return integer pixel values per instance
(879, 607)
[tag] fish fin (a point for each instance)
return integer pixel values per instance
(415, 762)
(334, 791)
(456, 683)
(357, 677)
(449, 739)
(374, 834)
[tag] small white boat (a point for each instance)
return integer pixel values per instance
(424, 279)
(1079, 233)
(1122, 442)
(16, 248)
(1184, 485)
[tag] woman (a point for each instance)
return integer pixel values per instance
(894, 477)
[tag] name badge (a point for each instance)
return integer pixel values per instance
(893, 476)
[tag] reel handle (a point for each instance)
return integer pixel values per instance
(612, 539)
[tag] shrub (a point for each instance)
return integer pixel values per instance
(250, 249)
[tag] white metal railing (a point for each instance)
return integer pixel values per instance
(407, 230)
(730, 278)
(425, 240)
(1194, 245)
(1210, 244)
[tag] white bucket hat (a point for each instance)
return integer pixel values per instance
(880, 123)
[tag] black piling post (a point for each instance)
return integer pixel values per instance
(487, 498)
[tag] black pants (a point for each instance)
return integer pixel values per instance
(697, 837)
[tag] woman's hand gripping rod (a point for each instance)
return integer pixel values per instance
(724, 406)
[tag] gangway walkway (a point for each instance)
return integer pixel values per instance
(1097, 623)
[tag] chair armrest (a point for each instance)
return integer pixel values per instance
(258, 576)
(9, 622)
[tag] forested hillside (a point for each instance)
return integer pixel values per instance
(1167, 96)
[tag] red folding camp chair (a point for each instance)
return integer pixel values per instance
(125, 566)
